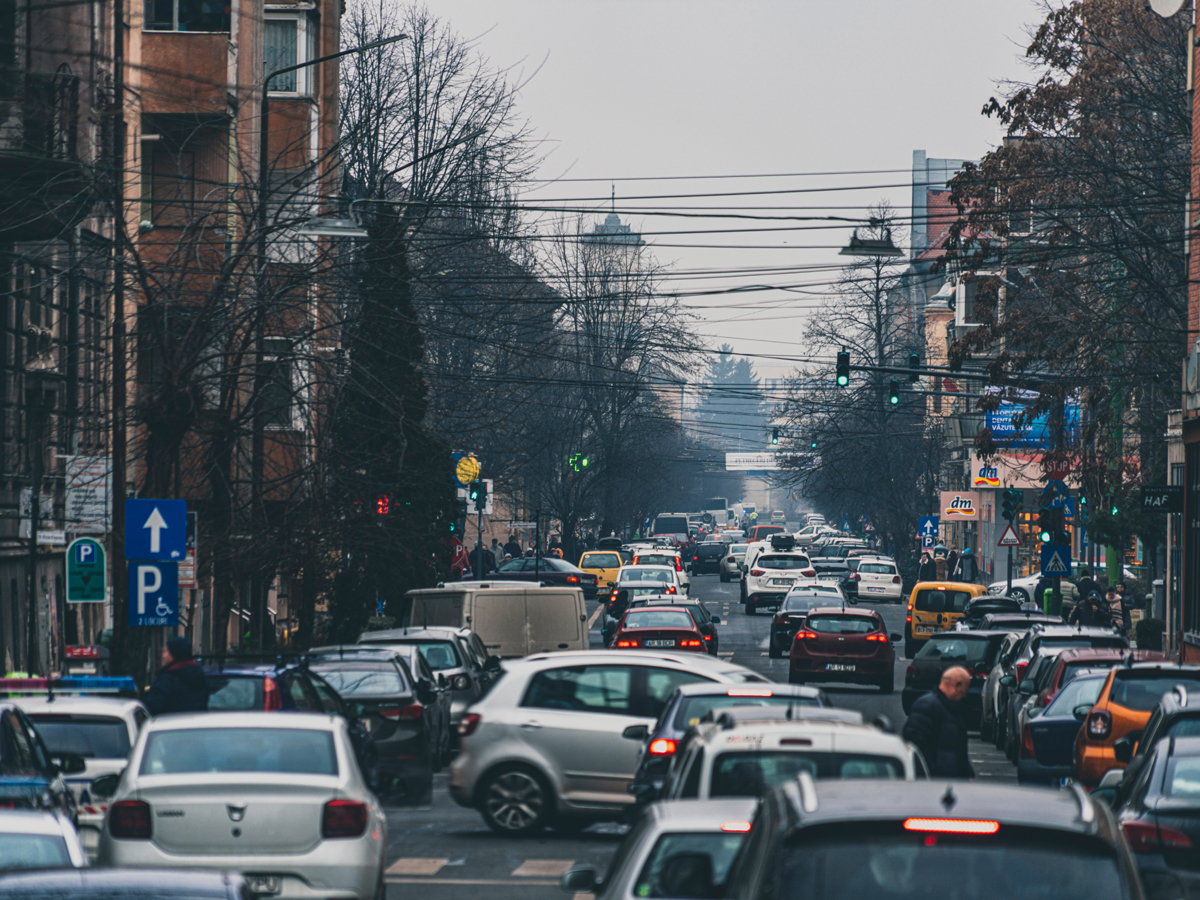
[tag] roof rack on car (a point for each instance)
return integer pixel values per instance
(1181, 693)
(1087, 813)
(808, 792)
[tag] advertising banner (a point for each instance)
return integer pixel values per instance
(960, 506)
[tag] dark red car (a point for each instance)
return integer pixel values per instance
(850, 645)
(659, 628)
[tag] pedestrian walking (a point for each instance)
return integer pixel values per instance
(1117, 611)
(967, 567)
(482, 559)
(926, 570)
(1085, 585)
(497, 551)
(935, 726)
(1090, 611)
(513, 547)
(952, 562)
(181, 685)
(1126, 606)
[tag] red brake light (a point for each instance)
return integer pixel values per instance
(1027, 751)
(626, 643)
(691, 643)
(911, 671)
(343, 819)
(130, 819)
(952, 826)
(662, 747)
(1099, 724)
(468, 724)
(758, 573)
(809, 572)
(882, 638)
(678, 567)
(806, 635)
(1021, 670)
(671, 589)
(895, 579)
(271, 698)
(736, 827)
(572, 579)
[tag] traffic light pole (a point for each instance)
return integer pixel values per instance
(479, 559)
(1008, 590)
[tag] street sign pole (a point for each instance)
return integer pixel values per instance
(1008, 590)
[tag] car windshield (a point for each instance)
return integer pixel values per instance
(293, 751)
(782, 562)
(354, 682)
(33, 851)
(658, 618)
(851, 861)
(692, 709)
(660, 575)
(602, 561)
(92, 737)
(743, 774)
(1183, 777)
(954, 648)
(678, 859)
(1142, 691)
(1077, 693)
(876, 569)
(842, 624)
(805, 602)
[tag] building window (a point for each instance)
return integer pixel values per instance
(186, 15)
(288, 40)
(278, 389)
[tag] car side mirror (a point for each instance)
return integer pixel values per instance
(425, 692)
(1112, 778)
(442, 682)
(716, 620)
(636, 732)
(643, 793)
(69, 763)
(1107, 796)
(896, 637)
(1081, 711)
(580, 880)
(492, 664)
(106, 785)
(1026, 688)
(1009, 680)
(611, 583)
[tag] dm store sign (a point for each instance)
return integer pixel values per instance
(985, 476)
(960, 506)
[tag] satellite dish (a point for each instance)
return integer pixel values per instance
(1165, 8)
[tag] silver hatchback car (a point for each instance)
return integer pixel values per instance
(278, 797)
(559, 736)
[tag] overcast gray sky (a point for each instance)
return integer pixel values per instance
(641, 89)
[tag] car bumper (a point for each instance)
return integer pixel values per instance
(872, 593)
(334, 870)
(866, 670)
(766, 598)
(1096, 762)
(1030, 771)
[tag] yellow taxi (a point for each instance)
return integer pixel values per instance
(934, 607)
(604, 564)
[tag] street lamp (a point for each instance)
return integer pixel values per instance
(879, 244)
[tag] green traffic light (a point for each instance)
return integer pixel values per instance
(843, 380)
(1114, 512)
(1045, 537)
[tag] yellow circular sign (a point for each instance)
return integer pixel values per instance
(467, 470)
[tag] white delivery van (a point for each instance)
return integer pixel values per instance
(513, 619)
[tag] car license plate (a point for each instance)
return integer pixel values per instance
(828, 578)
(877, 590)
(925, 629)
(660, 643)
(263, 884)
(781, 581)
(839, 667)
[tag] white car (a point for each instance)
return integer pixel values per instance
(877, 578)
(665, 556)
(749, 750)
(731, 563)
(38, 839)
(277, 796)
(102, 730)
(771, 575)
(560, 735)
(642, 580)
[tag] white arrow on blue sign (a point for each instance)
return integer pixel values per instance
(155, 529)
(153, 594)
(927, 530)
(1056, 559)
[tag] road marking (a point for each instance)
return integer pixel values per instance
(595, 616)
(725, 653)
(765, 653)
(416, 865)
(479, 881)
(543, 867)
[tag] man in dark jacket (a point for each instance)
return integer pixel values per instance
(926, 570)
(181, 685)
(935, 726)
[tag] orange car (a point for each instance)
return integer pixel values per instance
(1127, 699)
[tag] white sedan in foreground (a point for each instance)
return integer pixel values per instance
(277, 796)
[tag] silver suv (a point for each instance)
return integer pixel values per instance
(558, 738)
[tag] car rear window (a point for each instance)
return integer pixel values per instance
(675, 862)
(440, 654)
(230, 691)
(1134, 690)
(956, 649)
(659, 575)
(1188, 726)
(743, 774)
(1077, 693)
(876, 569)
(602, 561)
(657, 559)
(293, 751)
(737, 548)
(1183, 777)
(361, 682)
(842, 624)
(782, 562)
(933, 600)
(849, 861)
(92, 737)
(33, 851)
(693, 709)
(658, 618)
(805, 602)
(1072, 669)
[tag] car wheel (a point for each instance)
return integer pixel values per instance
(515, 802)
(887, 684)
(1020, 594)
(1010, 746)
(381, 888)
(774, 651)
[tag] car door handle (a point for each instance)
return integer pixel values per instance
(531, 725)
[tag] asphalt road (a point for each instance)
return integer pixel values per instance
(441, 851)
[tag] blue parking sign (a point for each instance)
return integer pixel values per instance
(155, 529)
(153, 594)
(927, 530)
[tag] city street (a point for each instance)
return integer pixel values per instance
(445, 849)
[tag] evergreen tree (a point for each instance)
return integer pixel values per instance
(731, 408)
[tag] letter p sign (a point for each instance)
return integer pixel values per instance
(85, 554)
(153, 593)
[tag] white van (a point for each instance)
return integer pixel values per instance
(513, 619)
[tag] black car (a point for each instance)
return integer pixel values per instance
(704, 620)
(547, 570)
(847, 840)
(979, 607)
(29, 776)
(692, 702)
(1159, 811)
(1048, 742)
(1177, 715)
(706, 557)
(974, 651)
(401, 714)
(795, 607)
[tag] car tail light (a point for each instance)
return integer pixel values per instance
(271, 699)
(1020, 671)
(130, 819)
(678, 567)
(1146, 837)
(952, 826)
(572, 579)
(781, 619)
(854, 576)
(895, 579)
(1027, 751)
(691, 643)
(1099, 724)
(671, 589)
(708, 637)
(461, 682)
(758, 573)
(811, 573)
(468, 724)
(736, 827)
(911, 671)
(626, 643)
(661, 747)
(343, 819)
(877, 637)
(806, 635)
(731, 559)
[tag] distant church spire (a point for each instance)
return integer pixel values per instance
(614, 198)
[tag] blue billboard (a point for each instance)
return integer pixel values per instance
(1035, 434)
